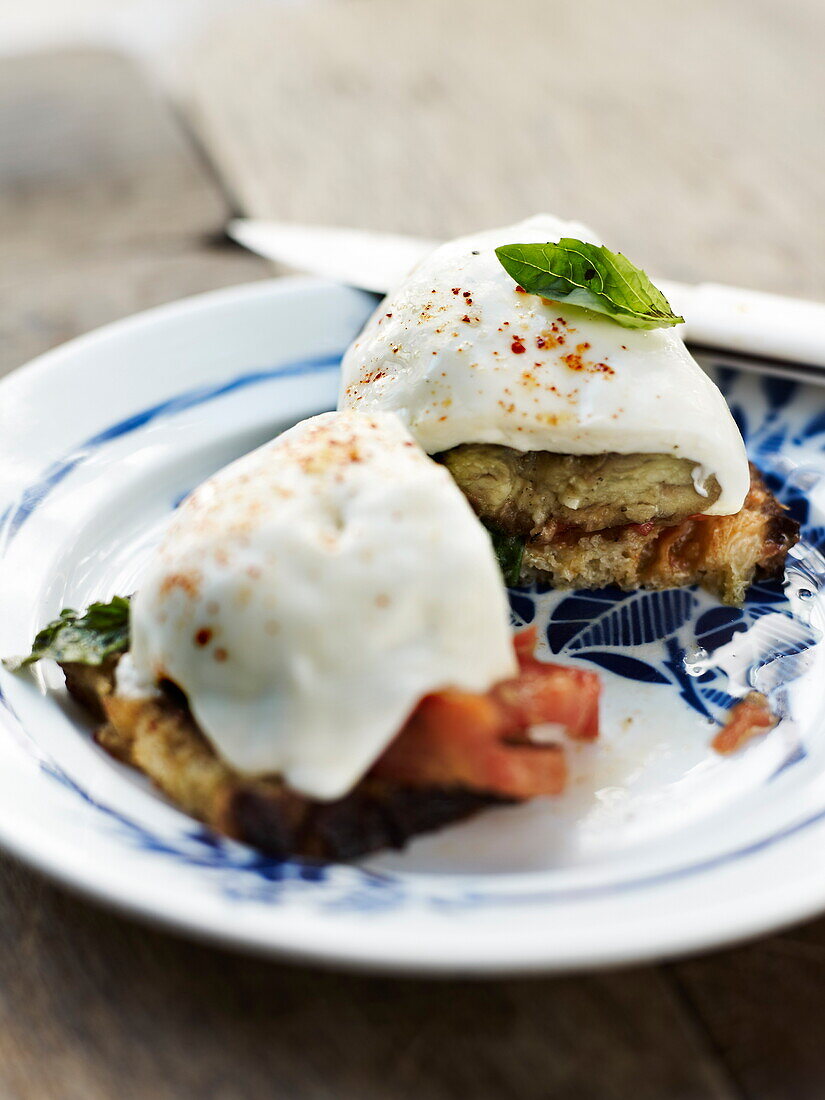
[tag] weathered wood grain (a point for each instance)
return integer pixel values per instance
(763, 1010)
(104, 206)
(689, 135)
(51, 303)
(91, 162)
(92, 1006)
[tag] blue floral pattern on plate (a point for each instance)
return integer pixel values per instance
(664, 639)
(649, 637)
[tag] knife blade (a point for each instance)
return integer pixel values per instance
(768, 333)
(370, 261)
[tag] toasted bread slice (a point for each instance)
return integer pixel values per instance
(159, 737)
(724, 554)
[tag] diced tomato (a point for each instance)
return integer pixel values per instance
(749, 718)
(456, 738)
(524, 643)
(543, 693)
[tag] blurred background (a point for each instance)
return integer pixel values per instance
(690, 135)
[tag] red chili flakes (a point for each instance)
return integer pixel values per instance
(456, 290)
(520, 290)
(576, 361)
(559, 321)
(388, 315)
(466, 318)
(188, 582)
(373, 377)
(203, 636)
(517, 347)
(550, 338)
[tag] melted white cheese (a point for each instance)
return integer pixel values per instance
(464, 357)
(306, 597)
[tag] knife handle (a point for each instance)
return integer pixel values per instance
(750, 321)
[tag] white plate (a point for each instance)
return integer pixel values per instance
(659, 847)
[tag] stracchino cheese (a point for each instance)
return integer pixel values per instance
(307, 597)
(463, 355)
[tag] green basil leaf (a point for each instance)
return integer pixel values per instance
(84, 638)
(590, 276)
(509, 549)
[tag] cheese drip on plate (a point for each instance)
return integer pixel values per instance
(308, 596)
(463, 355)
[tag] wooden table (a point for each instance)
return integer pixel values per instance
(107, 206)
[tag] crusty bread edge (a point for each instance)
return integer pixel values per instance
(159, 737)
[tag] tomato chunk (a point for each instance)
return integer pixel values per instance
(456, 738)
(749, 718)
(545, 693)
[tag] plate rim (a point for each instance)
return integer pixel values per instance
(93, 884)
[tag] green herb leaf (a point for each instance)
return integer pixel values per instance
(86, 638)
(509, 549)
(590, 276)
